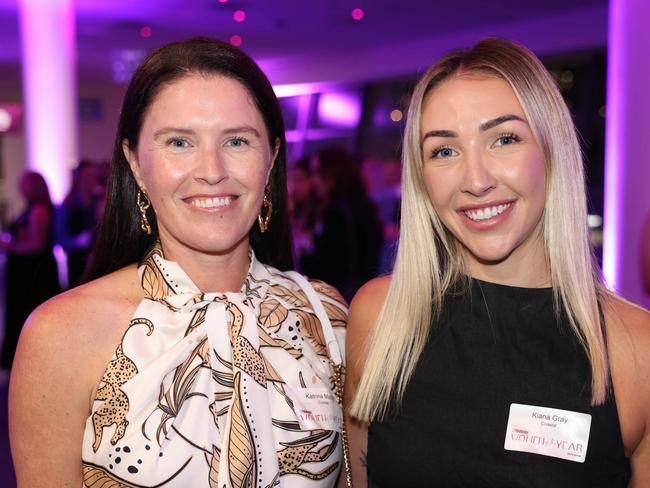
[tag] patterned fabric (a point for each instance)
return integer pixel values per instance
(217, 389)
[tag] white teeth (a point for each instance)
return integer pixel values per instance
(211, 202)
(486, 213)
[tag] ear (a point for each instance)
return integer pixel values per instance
(276, 150)
(132, 158)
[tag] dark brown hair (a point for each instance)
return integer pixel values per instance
(120, 240)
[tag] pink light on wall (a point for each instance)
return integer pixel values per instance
(49, 87)
(627, 153)
(340, 109)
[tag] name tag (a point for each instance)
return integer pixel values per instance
(548, 431)
(317, 408)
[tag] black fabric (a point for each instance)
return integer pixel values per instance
(347, 247)
(31, 279)
(494, 346)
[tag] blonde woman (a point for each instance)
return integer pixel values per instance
(494, 355)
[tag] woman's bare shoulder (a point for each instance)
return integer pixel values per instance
(63, 350)
(628, 325)
(364, 311)
(367, 303)
(86, 316)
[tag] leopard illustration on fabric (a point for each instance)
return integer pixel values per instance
(116, 404)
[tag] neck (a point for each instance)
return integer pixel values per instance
(211, 272)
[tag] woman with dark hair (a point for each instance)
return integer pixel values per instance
(31, 274)
(204, 362)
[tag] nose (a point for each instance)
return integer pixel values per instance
(211, 167)
(478, 177)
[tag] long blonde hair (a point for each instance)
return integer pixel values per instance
(429, 260)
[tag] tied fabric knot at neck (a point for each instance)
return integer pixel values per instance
(208, 389)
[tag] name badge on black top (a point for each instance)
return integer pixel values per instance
(548, 431)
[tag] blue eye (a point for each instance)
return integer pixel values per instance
(507, 139)
(176, 142)
(237, 141)
(443, 152)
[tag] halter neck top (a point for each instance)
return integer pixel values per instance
(496, 365)
(221, 389)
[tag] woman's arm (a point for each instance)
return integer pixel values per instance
(63, 350)
(628, 330)
(48, 401)
(364, 311)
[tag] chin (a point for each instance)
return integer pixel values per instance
(491, 256)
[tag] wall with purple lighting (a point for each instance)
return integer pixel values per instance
(48, 43)
(627, 166)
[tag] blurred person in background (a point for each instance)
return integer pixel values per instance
(31, 275)
(383, 180)
(348, 233)
(494, 355)
(199, 358)
(303, 208)
(77, 218)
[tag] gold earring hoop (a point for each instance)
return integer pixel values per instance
(267, 209)
(144, 203)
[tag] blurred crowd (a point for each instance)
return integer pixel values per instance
(344, 211)
(32, 273)
(344, 217)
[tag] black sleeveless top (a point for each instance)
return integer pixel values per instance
(493, 346)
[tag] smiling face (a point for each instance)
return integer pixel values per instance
(485, 176)
(204, 158)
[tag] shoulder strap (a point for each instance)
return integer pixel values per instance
(332, 345)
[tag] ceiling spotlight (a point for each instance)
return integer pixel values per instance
(223, 1)
(145, 31)
(235, 40)
(396, 115)
(239, 15)
(357, 14)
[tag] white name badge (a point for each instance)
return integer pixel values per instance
(548, 431)
(317, 408)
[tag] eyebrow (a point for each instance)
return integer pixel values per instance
(176, 130)
(487, 125)
(499, 120)
(231, 130)
(244, 128)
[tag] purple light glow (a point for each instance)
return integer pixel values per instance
(340, 109)
(627, 173)
(297, 89)
(48, 41)
(614, 148)
(235, 40)
(239, 16)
